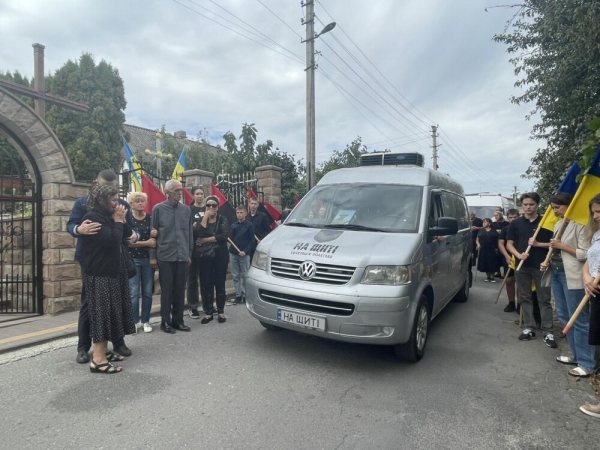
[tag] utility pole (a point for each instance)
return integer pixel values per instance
(310, 93)
(310, 88)
(434, 136)
(515, 196)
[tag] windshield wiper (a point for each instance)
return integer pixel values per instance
(298, 224)
(355, 227)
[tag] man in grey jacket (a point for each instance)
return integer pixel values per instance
(172, 255)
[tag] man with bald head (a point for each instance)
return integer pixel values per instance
(172, 255)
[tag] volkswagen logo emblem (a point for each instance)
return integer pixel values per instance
(307, 270)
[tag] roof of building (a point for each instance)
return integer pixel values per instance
(141, 139)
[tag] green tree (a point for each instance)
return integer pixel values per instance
(349, 157)
(555, 51)
(93, 139)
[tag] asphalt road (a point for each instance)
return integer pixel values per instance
(238, 386)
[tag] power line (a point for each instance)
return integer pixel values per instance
(353, 105)
(237, 32)
(368, 85)
(281, 20)
(375, 67)
(260, 34)
(360, 88)
(246, 23)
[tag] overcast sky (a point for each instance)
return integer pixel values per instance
(185, 71)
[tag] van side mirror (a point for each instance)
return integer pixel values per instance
(445, 226)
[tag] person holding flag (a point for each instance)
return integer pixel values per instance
(590, 272)
(566, 264)
(526, 234)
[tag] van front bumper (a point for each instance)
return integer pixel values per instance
(380, 320)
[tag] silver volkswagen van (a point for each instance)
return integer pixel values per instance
(370, 255)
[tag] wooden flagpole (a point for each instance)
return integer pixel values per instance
(582, 305)
(234, 246)
(559, 234)
(503, 284)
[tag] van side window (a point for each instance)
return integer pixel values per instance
(435, 210)
(455, 206)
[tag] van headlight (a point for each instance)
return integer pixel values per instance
(259, 260)
(389, 275)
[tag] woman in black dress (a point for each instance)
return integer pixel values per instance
(487, 246)
(105, 277)
(210, 236)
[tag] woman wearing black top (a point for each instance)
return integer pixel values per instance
(487, 246)
(210, 236)
(105, 277)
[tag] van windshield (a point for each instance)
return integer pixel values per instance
(360, 207)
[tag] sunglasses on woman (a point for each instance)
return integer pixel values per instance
(212, 205)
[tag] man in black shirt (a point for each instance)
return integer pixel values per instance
(476, 225)
(262, 227)
(519, 237)
(193, 281)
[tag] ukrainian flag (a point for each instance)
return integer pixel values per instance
(569, 185)
(579, 210)
(134, 167)
(180, 167)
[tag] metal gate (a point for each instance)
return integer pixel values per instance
(20, 233)
(235, 187)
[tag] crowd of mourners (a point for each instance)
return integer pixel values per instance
(510, 249)
(119, 247)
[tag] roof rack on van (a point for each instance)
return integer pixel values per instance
(392, 159)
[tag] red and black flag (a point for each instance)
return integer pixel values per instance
(225, 208)
(273, 214)
(155, 195)
(188, 199)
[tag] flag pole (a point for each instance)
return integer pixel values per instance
(582, 305)
(559, 234)
(234, 246)
(503, 284)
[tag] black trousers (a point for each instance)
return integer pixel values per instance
(193, 293)
(83, 326)
(172, 277)
(212, 278)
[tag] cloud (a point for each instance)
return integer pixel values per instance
(185, 71)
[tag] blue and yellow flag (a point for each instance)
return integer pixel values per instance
(569, 185)
(579, 209)
(180, 167)
(134, 167)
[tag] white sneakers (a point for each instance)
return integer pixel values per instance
(147, 327)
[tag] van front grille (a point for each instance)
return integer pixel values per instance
(325, 273)
(306, 304)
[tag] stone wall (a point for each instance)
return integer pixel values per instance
(62, 274)
(269, 181)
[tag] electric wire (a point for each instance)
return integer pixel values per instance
(359, 87)
(280, 19)
(237, 32)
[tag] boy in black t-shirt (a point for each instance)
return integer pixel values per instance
(519, 237)
(193, 281)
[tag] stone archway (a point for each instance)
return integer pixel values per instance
(57, 276)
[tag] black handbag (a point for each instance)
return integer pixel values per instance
(129, 265)
(207, 250)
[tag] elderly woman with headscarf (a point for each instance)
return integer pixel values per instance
(105, 277)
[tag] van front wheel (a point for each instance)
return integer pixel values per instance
(414, 349)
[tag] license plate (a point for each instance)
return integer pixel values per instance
(301, 320)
